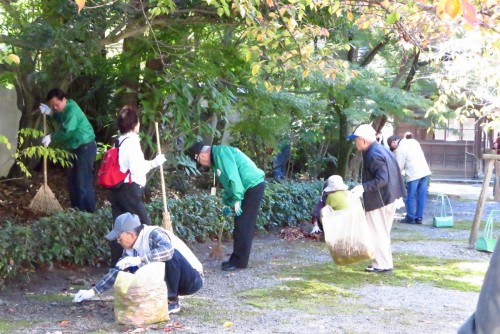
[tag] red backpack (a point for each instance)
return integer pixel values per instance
(109, 174)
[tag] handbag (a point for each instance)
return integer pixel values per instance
(486, 243)
(445, 217)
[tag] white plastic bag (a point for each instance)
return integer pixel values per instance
(141, 298)
(346, 233)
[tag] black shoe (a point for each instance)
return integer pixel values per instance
(418, 220)
(377, 270)
(407, 220)
(230, 267)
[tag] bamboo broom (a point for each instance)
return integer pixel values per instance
(216, 253)
(167, 223)
(45, 201)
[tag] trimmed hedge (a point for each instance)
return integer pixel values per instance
(77, 237)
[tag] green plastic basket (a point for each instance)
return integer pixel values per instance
(487, 243)
(445, 217)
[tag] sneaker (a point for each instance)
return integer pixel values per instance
(407, 220)
(173, 307)
(418, 220)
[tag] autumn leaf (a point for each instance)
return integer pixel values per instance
(350, 17)
(469, 13)
(440, 9)
(452, 8)
(64, 323)
(80, 4)
(14, 58)
(228, 324)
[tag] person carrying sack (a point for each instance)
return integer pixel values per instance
(144, 244)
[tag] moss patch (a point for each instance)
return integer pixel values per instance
(8, 326)
(409, 269)
(54, 297)
(309, 296)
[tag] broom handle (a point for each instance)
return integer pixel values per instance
(45, 156)
(163, 193)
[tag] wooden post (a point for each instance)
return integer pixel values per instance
(496, 187)
(482, 198)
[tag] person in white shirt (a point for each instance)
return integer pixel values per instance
(414, 167)
(128, 197)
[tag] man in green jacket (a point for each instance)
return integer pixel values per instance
(244, 186)
(77, 136)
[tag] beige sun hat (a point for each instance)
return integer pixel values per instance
(334, 183)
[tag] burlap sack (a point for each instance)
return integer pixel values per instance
(141, 298)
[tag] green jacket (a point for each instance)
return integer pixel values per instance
(75, 129)
(235, 171)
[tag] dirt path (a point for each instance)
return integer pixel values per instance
(375, 306)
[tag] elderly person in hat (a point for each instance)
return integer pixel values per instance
(414, 166)
(244, 185)
(143, 244)
(334, 195)
(382, 184)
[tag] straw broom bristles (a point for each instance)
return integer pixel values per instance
(45, 201)
(217, 252)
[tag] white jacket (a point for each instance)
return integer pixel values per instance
(131, 157)
(411, 160)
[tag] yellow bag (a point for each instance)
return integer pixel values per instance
(141, 298)
(346, 233)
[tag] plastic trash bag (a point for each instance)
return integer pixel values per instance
(346, 233)
(141, 298)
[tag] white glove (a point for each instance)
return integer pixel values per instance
(46, 140)
(237, 208)
(158, 161)
(83, 295)
(399, 203)
(315, 229)
(128, 261)
(358, 190)
(45, 109)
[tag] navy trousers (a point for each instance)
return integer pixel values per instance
(244, 225)
(81, 178)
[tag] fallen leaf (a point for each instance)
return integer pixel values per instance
(80, 4)
(228, 324)
(64, 323)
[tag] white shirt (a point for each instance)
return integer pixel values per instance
(131, 158)
(411, 160)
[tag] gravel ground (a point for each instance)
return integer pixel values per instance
(372, 308)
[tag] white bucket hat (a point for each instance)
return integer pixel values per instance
(334, 183)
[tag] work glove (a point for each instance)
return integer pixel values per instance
(358, 190)
(45, 109)
(128, 261)
(158, 160)
(399, 203)
(237, 208)
(226, 211)
(46, 140)
(315, 229)
(83, 295)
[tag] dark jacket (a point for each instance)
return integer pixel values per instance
(382, 180)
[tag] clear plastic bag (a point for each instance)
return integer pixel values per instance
(141, 298)
(346, 233)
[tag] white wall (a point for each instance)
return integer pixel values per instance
(9, 123)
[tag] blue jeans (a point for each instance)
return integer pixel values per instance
(81, 178)
(416, 194)
(280, 161)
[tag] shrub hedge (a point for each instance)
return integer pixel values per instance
(77, 237)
